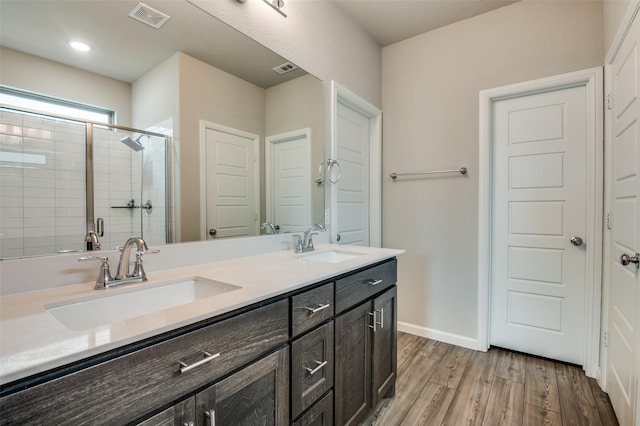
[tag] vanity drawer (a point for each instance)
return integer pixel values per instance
(320, 415)
(355, 288)
(311, 368)
(311, 308)
(122, 389)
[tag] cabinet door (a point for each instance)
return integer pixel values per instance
(384, 345)
(353, 365)
(255, 395)
(181, 414)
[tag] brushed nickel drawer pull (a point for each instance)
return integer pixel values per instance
(373, 314)
(207, 358)
(318, 309)
(315, 370)
(211, 416)
(374, 282)
(381, 322)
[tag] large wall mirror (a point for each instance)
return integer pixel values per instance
(245, 126)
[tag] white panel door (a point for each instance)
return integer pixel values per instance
(352, 153)
(624, 238)
(231, 204)
(290, 183)
(540, 180)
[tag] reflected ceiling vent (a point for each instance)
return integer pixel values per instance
(148, 15)
(285, 68)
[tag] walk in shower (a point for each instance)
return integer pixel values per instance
(61, 178)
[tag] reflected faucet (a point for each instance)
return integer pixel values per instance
(91, 240)
(305, 243)
(269, 225)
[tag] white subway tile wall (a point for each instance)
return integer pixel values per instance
(43, 186)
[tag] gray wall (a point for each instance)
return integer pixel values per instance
(430, 103)
(316, 36)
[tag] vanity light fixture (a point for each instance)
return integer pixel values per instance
(277, 5)
(80, 46)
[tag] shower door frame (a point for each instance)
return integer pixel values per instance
(89, 191)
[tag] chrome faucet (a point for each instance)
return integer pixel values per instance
(305, 243)
(269, 225)
(123, 276)
(125, 257)
(91, 240)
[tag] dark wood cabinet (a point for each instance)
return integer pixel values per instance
(122, 389)
(316, 357)
(311, 368)
(256, 395)
(180, 414)
(353, 365)
(310, 308)
(384, 345)
(320, 415)
(365, 367)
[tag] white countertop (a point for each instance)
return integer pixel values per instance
(32, 340)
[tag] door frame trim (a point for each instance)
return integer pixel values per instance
(334, 94)
(204, 125)
(592, 79)
(631, 14)
(269, 141)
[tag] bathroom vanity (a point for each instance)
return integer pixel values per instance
(316, 349)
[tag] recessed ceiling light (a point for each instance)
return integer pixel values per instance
(78, 45)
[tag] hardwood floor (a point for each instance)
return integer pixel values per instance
(442, 384)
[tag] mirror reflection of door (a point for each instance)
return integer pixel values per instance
(231, 187)
(288, 171)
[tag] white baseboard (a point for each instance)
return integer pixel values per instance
(441, 336)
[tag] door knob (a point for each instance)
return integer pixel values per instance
(212, 232)
(576, 241)
(338, 237)
(625, 259)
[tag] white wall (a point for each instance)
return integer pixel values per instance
(316, 36)
(38, 75)
(612, 13)
(430, 103)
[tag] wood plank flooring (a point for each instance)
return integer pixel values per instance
(442, 384)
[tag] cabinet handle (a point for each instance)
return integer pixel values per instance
(315, 370)
(211, 416)
(373, 314)
(381, 323)
(374, 282)
(189, 424)
(207, 358)
(318, 309)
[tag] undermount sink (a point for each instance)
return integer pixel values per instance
(331, 256)
(119, 304)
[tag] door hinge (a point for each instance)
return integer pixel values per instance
(609, 101)
(608, 221)
(605, 338)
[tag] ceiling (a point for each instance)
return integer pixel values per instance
(125, 49)
(391, 21)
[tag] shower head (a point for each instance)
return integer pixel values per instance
(134, 145)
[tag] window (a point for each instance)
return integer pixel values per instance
(58, 107)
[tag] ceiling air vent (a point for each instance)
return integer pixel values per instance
(148, 15)
(285, 68)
